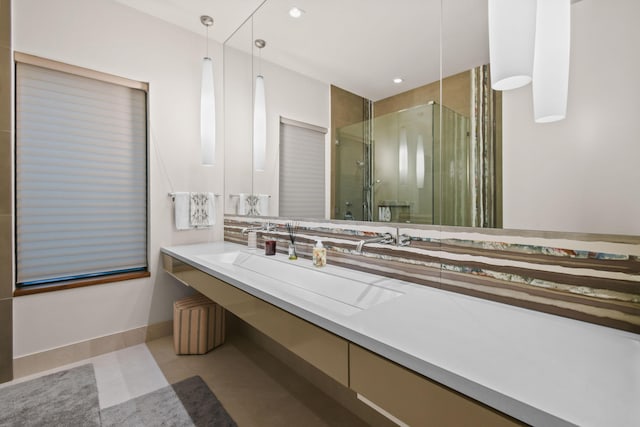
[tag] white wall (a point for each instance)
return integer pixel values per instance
(294, 96)
(582, 173)
(111, 38)
(288, 94)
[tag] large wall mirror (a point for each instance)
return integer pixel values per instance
(440, 147)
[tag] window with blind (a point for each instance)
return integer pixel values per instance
(81, 174)
(302, 169)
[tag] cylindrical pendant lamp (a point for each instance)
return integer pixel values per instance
(403, 156)
(512, 26)
(551, 60)
(259, 126)
(207, 114)
(420, 163)
(207, 104)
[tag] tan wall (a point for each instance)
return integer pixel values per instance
(456, 95)
(6, 207)
(346, 108)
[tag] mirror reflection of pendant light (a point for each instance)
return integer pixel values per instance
(259, 119)
(420, 163)
(551, 60)
(207, 104)
(512, 27)
(403, 156)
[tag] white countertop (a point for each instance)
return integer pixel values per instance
(539, 368)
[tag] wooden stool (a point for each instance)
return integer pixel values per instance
(198, 325)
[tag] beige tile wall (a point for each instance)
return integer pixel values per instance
(346, 108)
(456, 95)
(6, 198)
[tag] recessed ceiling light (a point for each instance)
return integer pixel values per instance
(398, 80)
(295, 12)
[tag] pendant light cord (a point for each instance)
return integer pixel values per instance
(207, 21)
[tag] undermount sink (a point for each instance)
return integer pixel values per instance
(223, 258)
(354, 293)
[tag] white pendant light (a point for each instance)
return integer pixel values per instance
(259, 126)
(403, 156)
(551, 60)
(207, 104)
(259, 120)
(420, 163)
(512, 29)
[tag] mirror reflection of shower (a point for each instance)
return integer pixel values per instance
(426, 164)
(397, 179)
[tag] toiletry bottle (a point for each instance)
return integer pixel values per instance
(319, 254)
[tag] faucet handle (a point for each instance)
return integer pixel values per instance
(404, 240)
(387, 239)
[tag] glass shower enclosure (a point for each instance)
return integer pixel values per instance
(394, 168)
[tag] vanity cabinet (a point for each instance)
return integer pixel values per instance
(406, 395)
(414, 399)
(320, 348)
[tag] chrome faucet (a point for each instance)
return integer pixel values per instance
(265, 226)
(385, 239)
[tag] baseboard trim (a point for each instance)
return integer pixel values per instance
(50, 359)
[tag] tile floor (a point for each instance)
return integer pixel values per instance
(120, 375)
(256, 388)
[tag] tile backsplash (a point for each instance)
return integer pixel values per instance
(589, 277)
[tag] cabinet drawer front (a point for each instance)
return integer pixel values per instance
(413, 399)
(322, 349)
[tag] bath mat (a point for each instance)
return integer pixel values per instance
(61, 399)
(186, 403)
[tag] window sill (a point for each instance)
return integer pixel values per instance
(31, 290)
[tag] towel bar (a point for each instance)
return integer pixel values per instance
(231, 196)
(173, 196)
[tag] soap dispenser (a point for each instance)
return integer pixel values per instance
(319, 255)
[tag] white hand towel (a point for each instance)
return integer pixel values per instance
(181, 204)
(253, 208)
(263, 204)
(384, 214)
(242, 204)
(202, 210)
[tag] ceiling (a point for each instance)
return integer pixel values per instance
(227, 14)
(348, 43)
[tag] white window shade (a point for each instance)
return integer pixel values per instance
(81, 176)
(302, 170)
